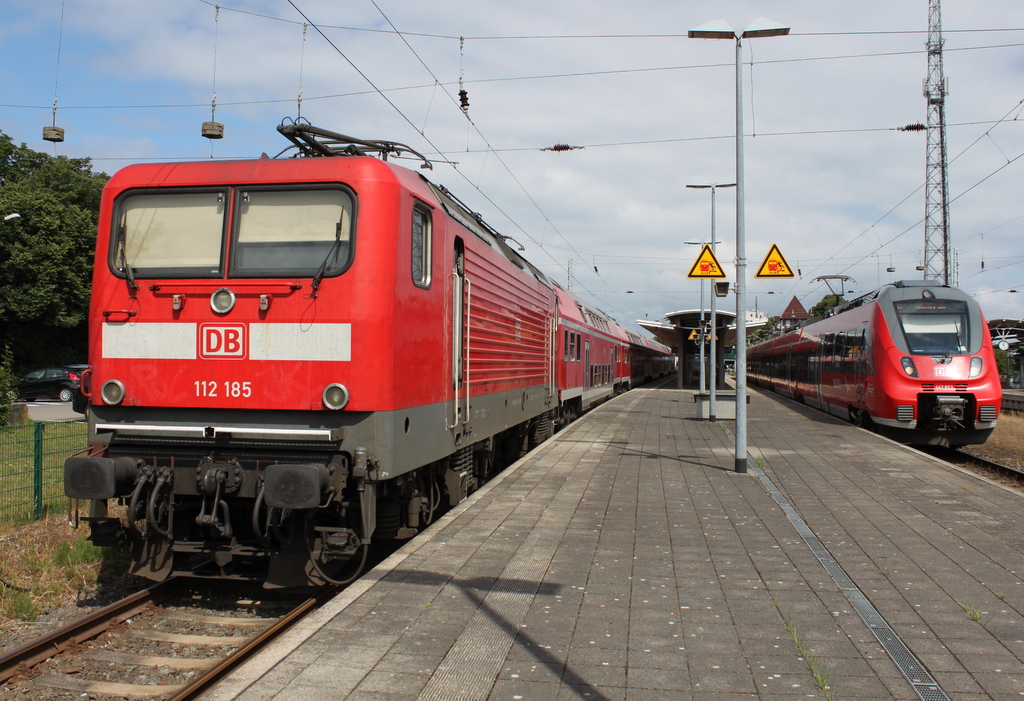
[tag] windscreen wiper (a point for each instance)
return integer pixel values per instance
(122, 257)
(323, 266)
(948, 355)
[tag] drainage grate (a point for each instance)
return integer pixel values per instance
(922, 682)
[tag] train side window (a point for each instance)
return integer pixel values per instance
(422, 234)
(565, 345)
(579, 345)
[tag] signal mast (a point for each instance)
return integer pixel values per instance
(936, 224)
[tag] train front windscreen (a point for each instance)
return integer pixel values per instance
(275, 232)
(935, 326)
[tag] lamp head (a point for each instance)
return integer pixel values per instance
(715, 29)
(762, 27)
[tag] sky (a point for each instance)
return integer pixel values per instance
(830, 178)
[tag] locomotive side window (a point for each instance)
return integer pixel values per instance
(169, 233)
(934, 327)
(292, 232)
(421, 246)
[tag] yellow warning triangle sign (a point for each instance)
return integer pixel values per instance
(706, 265)
(774, 264)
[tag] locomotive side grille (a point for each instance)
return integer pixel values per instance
(905, 412)
(986, 413)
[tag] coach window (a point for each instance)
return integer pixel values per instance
(295, 231)
(169, 234)
(421, 246)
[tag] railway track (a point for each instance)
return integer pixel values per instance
(1006, 471)
(166, 642)
(1004, 474)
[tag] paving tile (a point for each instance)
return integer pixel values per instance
(625, 559)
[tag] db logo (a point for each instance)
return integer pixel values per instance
(222, 341)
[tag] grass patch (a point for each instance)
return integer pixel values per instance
(1006, 444)
(47, 565)
(821, 677)
(974, 612)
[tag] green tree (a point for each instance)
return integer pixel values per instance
(1003, 361)
(7, 378)
(827, 303)
(46, 254)
(763, 332)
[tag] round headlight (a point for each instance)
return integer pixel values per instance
(335, 396)
(222, 301)
(112, 392)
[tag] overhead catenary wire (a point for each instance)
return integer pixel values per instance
(463, 106)
(513, 37)
(1016, 109)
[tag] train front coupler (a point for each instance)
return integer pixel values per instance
(215, 481)
(945, 412)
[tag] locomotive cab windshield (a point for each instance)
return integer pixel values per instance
(934, 327)
(297, 231)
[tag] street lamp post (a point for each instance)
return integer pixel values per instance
(712, 380)
(719, 29)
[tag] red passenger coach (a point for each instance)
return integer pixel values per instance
(912, 359)
(294, 357)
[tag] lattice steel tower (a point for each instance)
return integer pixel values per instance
(936, 216)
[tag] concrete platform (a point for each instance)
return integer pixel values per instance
(625, 559)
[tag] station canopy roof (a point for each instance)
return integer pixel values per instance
(686, 320)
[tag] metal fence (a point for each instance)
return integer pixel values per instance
(32, 467)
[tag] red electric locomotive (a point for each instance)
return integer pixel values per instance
(294, 357)
(912, 359)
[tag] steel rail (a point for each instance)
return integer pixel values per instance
(213, 675)
(32, 653)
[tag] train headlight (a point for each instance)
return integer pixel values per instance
(908, 366)
(222, 301)
(976, 367)
(112, 392)
(335, 396)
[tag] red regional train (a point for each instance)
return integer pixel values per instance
(912, 359)
(292, 358)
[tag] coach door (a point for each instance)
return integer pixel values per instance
(552, 350)
(587, 377)
(460, 339)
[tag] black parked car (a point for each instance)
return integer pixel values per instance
(80, 402)
(54, 383)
